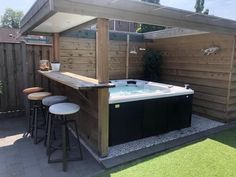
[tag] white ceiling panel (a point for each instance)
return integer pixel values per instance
(61, 22)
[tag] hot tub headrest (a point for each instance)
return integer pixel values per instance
(131, 82)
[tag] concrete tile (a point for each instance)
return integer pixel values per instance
(19, 157)
(33, 171)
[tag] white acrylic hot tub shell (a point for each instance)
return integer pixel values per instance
(166, 91)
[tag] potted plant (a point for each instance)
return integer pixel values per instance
(152, 63)
(55, 65)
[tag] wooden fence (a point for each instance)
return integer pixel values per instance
(16, 74)
(209, 75)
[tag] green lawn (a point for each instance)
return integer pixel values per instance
(212, 157)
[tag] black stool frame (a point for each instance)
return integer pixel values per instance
(33, 122)
(65, 140)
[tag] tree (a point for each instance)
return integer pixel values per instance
(11, 18)
(206, 12)
(199, 7)
(143, 28)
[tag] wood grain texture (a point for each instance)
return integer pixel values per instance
(78, 55)
(56, 44)
(74, 81)
(102, 75)
(231, 98)
(102, 50)
(209, 76)
(18, 65)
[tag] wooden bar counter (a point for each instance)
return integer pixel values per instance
(74, 81)
(93, 98)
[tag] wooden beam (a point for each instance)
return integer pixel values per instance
(25, 76)
(102, 74)
(80, 27)
(102, 50)
(172, 32)
(34, 9)
(39, 13)
(103, 121)
(56, 46)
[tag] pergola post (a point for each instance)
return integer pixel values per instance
(56, 45)
(102, 74)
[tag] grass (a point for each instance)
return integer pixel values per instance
(211, 157)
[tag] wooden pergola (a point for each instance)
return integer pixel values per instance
(53, 17)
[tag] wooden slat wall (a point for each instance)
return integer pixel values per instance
(209, 76)
(78, 55)
(11, 73)
(35, 53)
(231, 105)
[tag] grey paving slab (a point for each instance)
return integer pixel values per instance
(19, 157)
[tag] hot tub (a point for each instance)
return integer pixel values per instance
(139, 109)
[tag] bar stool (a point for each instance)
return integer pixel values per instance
(36, 99)
(28, 91)
(61, 111)
(32, 90)
(47, 102)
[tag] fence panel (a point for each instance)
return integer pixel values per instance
(11, 72)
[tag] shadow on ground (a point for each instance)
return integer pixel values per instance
(19, 157)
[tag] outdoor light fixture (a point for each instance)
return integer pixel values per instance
(133, 51)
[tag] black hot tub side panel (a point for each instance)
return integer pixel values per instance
(139, 119)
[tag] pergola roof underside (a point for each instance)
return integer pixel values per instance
(60, 15)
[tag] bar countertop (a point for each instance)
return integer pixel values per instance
(75, 81)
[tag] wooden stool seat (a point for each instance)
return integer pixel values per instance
(32, 90)
(64, 108)
(38, 96)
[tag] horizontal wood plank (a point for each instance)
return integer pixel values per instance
(73, 80)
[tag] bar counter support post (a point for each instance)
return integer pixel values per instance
(102, 74)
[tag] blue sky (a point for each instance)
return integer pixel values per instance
(222, 8)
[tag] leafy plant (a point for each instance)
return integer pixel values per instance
(152, 63)
(1, 87)
(11, 18)
(143, 28)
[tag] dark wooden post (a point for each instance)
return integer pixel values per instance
(102, 74)
(25, 74)
(56, 46)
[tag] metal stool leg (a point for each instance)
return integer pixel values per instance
(35, 124)
(32, 119)
(51, 127)
(46, 129)
(68, 138)
(28, 114)
(64, 144)
(49, 132)
(78, 140)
